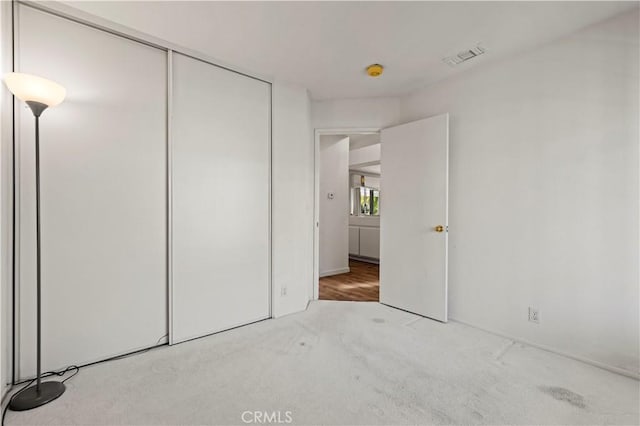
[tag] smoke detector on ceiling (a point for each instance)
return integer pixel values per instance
(464, 56)
(375, 70)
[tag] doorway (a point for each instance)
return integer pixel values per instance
(348, 208)
(360, 284)
(413, 205)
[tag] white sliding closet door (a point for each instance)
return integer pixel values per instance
(220, 136)
(103, 174)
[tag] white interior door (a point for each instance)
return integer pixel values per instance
(220, 130)
(414, 190)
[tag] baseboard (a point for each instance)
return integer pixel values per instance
(296, 310)
(6, 393)
(610, 368)
(334, 272)
(364, 259)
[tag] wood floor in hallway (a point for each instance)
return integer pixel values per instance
(361, 284)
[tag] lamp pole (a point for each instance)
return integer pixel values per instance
(38, 94)
(41, 393)
(37, 109)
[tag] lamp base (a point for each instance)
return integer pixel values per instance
(31, 398)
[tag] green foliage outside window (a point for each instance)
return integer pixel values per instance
(367, 200)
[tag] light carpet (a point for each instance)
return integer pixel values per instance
(344, 363)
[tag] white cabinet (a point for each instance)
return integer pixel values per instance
(364, 241)
(354, 240)
(370, 242)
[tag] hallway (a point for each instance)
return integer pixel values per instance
(362, 284)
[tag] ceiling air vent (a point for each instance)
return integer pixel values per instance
(463, 56)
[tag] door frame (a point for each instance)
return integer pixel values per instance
(315, 284)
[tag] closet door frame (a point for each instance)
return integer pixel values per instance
(71, 14)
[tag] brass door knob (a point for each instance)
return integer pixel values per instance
(439, 228)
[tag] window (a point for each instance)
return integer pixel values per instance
(365, 201)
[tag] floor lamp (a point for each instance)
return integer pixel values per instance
(39, 94)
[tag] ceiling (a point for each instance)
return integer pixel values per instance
(368, 169)
(325, 46)
(361, 140)
(357, 141)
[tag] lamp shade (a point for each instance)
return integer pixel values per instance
(27, 87)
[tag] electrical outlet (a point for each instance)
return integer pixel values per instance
(534, 315)
(283, 291)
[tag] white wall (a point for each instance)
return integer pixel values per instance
(370, 181)
(544, 193)
(292, 200)
(334, 213)
(355, 113)
(365, 155)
